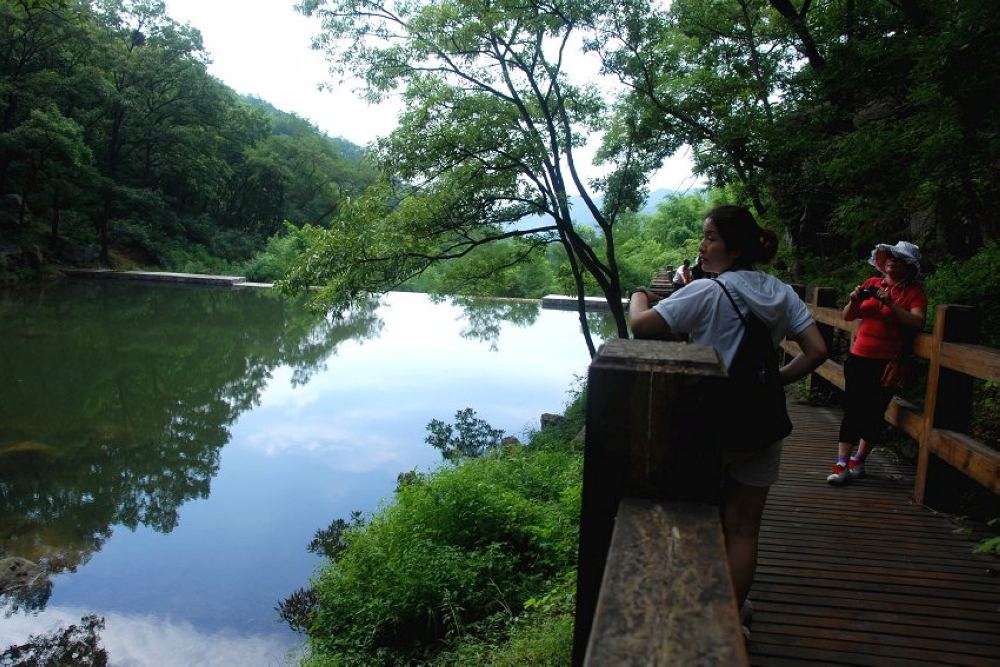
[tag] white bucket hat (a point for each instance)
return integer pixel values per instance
(903, 250)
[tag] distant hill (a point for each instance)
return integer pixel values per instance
(582, 215)
(285, 122)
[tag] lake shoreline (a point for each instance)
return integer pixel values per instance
(549, 301)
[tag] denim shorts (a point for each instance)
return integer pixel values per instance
(754, 468)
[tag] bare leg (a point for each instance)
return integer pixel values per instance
(742, 509)
(844, 449)
(864, 447)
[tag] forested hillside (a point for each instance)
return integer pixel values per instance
(117, 146)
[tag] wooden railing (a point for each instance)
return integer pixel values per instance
(942, 427)
(653, 585)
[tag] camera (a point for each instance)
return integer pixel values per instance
(870, 292)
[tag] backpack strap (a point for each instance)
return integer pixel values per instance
(732, 301)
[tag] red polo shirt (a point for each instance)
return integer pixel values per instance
(880, 335)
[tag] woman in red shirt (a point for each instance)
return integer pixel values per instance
(892, 308)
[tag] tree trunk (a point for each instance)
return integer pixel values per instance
(581, 304)
(55, 218)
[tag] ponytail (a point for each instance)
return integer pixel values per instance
(740, 232)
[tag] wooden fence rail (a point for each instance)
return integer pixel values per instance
(650, 512)
(941, 427)
(653, 586)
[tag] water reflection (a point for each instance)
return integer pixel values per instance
(484, 317)
(139, 639)
(121, 404)
(115, 401)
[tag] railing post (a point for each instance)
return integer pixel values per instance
(948, 400)
(641, 442)
(824, 297)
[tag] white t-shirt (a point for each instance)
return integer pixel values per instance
(703, 311)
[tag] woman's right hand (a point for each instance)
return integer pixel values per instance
(856, 294)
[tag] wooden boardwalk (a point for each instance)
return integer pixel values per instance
(859, 574)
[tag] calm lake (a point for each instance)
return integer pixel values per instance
(167, 453)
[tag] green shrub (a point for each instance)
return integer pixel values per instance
(280, 253)
(973, 282)
(540, 634)
(468, 543)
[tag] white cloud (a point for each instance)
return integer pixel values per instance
(263, 48)
(145, 640)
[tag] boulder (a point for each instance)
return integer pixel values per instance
(81, 255)
(18, 573)
(549, 419)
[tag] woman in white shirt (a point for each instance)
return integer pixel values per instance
(732, 243)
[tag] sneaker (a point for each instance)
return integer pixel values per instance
(855, 469)
(839, 474)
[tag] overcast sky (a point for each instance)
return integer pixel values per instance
(261, 47)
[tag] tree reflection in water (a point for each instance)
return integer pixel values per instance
(116, 399)
(483, 317)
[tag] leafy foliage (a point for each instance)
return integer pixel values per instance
(72, 645)
(990, 545)
(114, 134)
(468, 437)
(473, 559)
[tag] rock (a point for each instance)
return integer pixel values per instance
(27, 447)
(18, 573)
(80, 255)
(549, 419)
(510, 442)
(35, 257)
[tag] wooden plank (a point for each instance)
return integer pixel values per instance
(638, 434)
(978, 361)
(972, 457)
(898, 626)
(948, 399)
(833, 317)
(860, 574)
(906, 417)
(666, 598)
(868, 647)
(861, 603)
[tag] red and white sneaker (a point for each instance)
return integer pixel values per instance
(855, 469)
(839, 474)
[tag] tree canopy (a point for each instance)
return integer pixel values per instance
(114, 137)
(840, 123)
(491, 134)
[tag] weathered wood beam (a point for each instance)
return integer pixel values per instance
(667, 598)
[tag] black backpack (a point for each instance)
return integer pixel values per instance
(750, 403)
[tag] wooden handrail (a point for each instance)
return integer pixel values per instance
(651, 546)
(666, 597)
(978, 361)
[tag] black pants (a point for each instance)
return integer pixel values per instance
(865, 399)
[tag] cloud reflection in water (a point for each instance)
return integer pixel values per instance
(151, 641)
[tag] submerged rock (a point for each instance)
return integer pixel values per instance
(29, 447)
(19, 573)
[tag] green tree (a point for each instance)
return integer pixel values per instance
(840, 122)
(52, 155)
(490, 135)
